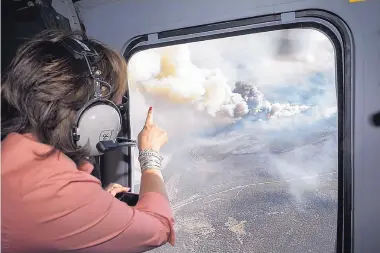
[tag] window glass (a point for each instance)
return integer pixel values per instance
(251, 162)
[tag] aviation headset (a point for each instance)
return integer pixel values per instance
(99, 120)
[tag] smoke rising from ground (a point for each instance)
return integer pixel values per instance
(221, 99)
(171, 75)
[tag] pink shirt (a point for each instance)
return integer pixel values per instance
(51, 204)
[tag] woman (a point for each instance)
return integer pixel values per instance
(50, 202)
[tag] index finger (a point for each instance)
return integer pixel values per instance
(149, 117)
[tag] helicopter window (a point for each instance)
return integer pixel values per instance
(252, 159)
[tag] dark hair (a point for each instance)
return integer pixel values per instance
(46, 86)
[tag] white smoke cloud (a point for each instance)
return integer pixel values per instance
(169, 73)
(143, 66)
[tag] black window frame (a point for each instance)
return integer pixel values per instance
(339, 34)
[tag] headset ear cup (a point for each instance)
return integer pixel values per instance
(99, 122)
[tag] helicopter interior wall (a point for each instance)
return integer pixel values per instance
(117, 22)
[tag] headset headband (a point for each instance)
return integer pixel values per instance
(81, 49)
